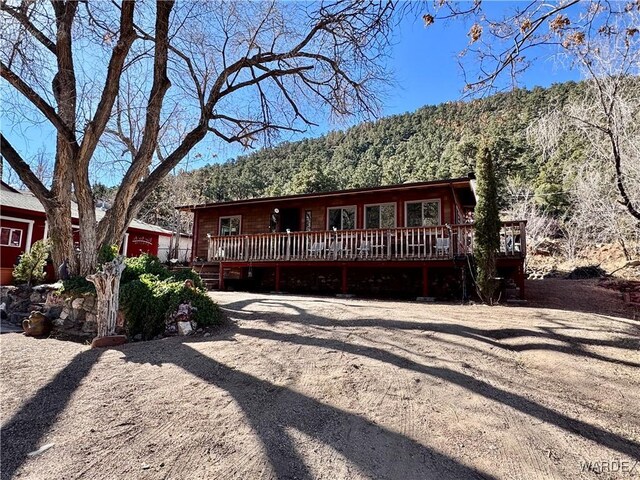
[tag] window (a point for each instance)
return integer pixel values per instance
(425, 213)
(230, 225)
(380, 216)
(10, 237)
(342, 218)
(307, 221)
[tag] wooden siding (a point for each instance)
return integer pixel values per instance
(255, 218)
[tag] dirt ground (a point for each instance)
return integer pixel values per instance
(308, 387)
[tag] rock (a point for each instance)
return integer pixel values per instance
(184, 328)
(64, 314)
(45, 287)
(207, 334)
(120, 319)
(426, 299)
(37, 324)
(35, 297)
(110, 341)
(17, 317)
(79, 315)
(76, 304)
(90, 327)
(200, 330)
(89, 302)
(3, 311)
(58, 322)
(54, 311)
(137, 337)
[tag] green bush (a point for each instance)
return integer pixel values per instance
(182, 275)
(148, 301)
(32, 263)
(144, 264)
(77, 286)
(150, 293)
(107, 253)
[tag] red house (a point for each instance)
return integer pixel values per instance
(23, 221)
(410, 239)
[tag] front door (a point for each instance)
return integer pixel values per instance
(289, 219)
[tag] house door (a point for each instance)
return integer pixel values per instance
(289, 219)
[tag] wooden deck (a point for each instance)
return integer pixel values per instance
(443, 242)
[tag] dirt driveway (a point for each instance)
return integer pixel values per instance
(306, 387)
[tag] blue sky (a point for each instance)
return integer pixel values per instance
(424, 71)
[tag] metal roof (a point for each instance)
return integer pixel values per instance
(28, 201)
(404, 186)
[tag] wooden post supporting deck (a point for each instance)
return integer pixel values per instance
(277, 278)
(520, 279)
(425, 281)
(344, 280)
(221, 277)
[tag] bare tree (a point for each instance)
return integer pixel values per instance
(523, 205)
(241, 72)
(600, 37)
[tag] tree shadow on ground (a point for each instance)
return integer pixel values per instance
(517, 402)
(546, 338)
(25, 430)
(271, 410)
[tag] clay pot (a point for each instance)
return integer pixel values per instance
(36, 325)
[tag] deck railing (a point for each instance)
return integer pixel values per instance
(406, 243)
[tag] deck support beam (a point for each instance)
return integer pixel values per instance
(221, 277)
(425, 281)
(520, 280)
(278, 278)
(344, 279)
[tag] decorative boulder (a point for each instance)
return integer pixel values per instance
(36, 325)
(185, 328)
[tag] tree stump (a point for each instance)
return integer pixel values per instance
(107, 284)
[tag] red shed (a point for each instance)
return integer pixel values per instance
(23, 221)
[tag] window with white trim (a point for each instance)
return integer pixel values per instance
(341, 218)
(230, 225)
(10, 237)
(380, 216)
(424, 213)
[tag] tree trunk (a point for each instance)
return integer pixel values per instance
(107, 284)
(61, 236)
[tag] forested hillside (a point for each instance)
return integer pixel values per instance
(433, 142)
(552, 172)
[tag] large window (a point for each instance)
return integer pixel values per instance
(10, 237)
(230, 225)
(380, 216)
(425, 213)
(342, 218)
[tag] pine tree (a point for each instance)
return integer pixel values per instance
(32, 263)
(487, 226)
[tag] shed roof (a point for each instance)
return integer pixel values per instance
(28, 201)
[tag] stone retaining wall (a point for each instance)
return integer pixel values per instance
(70, 315)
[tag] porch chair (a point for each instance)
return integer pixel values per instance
(316, 248)
(336, 247)
(442, 246)
(365, 248)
